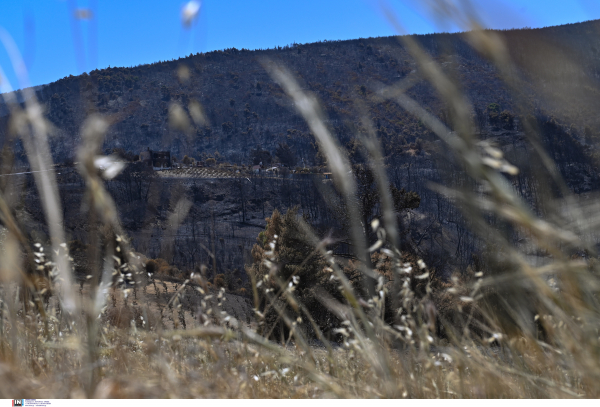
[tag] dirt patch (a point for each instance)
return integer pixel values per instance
(172, 305)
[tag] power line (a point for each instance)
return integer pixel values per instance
(23, 173)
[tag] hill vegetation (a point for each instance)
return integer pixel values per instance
(236, 113)
(237, 107)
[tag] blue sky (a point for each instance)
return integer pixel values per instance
(133, 32)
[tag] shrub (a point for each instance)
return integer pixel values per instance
(293, 262)
(219, 281)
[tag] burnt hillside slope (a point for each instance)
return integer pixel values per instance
(244, 108)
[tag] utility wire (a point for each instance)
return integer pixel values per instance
(22, 173)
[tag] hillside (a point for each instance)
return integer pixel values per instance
(244, 108)
(248, 116)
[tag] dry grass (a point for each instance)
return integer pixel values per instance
(73, 345)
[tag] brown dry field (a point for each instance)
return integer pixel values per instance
(171, 305)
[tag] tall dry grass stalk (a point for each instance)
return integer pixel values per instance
(63, 345)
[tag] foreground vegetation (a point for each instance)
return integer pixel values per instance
(380, 325)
